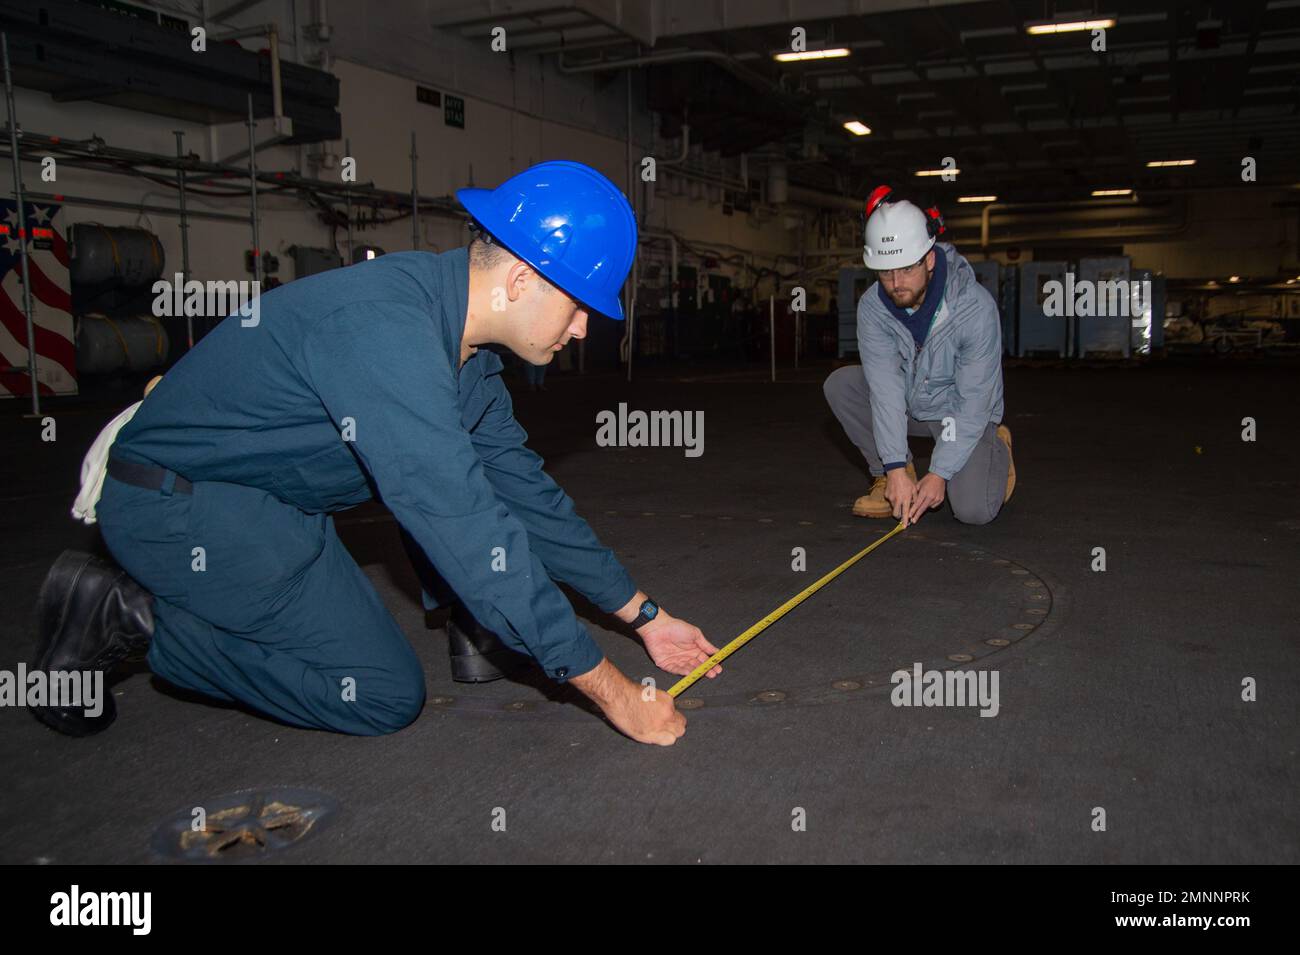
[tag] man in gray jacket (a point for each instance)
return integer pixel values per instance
(931, 346)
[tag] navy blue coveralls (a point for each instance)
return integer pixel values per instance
(273, 611)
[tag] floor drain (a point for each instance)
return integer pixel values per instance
(243, 826)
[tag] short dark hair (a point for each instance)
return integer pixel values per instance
(485, 255)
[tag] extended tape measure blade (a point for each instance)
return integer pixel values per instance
(691, 678)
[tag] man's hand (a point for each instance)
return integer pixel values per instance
(644, 713)
(901, 492)
(677, 646)
(929, 493)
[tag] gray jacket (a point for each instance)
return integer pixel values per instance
(957, 373)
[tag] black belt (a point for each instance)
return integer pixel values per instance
(149, 476)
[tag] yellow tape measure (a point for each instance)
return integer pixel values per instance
(682, 685)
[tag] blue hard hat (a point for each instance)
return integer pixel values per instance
(567, 221)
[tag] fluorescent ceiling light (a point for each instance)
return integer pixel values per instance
(811, 55)
(1162, 163)
(977, 198)
(936, 172)
(1074, 26)
(857, 129)
(1112, 192)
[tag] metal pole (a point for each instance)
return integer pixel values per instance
(771, 324)
(252, 182)
(22, 229)
(798, 315)
(347, 151)
(627, 156)
(185, 233)
(277, 95)
(631, 331)
(415, 198)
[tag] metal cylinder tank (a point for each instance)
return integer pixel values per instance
(117, 255)
(106, 345)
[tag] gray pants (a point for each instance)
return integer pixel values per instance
(975, 492)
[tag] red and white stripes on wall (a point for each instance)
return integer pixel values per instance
(47, 264)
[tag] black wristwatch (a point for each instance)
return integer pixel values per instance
(649, 610)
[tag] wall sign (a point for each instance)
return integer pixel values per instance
(455, 113)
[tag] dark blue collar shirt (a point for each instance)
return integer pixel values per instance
(349, 387)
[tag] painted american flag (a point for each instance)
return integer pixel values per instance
(56, 353)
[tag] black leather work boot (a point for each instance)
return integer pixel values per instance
(477, 654)
(92, 616)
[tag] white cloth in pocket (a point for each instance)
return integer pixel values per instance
(95, 465)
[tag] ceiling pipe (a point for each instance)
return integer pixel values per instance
(1084, 206)
(986, 212)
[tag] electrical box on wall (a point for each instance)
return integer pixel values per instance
(309, 261)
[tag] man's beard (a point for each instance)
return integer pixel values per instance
(908, 300)
(913, 299)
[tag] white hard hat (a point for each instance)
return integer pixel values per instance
(898, 234)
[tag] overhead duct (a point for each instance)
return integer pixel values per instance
(733, 66)
(78, 52)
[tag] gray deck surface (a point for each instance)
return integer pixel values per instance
(1124, 695)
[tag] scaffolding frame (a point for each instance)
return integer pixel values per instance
(189, 171)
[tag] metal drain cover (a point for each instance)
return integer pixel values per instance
(243, 826)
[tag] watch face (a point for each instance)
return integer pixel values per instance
(649, 609)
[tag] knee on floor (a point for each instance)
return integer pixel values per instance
(393, 708)
(975, 515)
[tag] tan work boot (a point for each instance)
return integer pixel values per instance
(876, 504)
(1004, 435)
